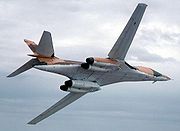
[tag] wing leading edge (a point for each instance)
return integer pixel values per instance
(124, 41)
(68, 99)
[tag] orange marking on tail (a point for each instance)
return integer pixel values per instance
(31, 45)
(50, 60)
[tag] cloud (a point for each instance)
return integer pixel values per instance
(143, 55)
(156, 43)
(72, 23)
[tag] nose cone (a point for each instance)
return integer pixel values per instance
(166, 78)
(163, 78)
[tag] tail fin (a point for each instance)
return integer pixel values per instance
(43, 49)
(45, 46)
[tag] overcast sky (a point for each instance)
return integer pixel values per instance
(82, 28)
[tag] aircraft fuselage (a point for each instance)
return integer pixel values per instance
(103, 68)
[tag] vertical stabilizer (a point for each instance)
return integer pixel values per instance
(45, 46)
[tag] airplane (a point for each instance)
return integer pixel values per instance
(94, 73)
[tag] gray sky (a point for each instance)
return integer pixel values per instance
(85, 28)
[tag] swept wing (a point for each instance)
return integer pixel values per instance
(68, 99)
(124, 41)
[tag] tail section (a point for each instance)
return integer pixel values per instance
(45, 46)
(31, 45)
(43, 50)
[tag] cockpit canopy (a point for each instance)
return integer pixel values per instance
(156, 73)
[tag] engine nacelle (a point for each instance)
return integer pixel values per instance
(102, 64)
(85, 65)
(90, 60)
(64, 87)
(100, 69)
(80, 86)
(99, 64)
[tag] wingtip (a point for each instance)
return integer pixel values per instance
(142, 4)
(45, 31)
(31, 123)
(10, 75)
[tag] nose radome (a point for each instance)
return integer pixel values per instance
(167, 78)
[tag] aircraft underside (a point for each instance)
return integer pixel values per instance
(91, 75)
(102, 75)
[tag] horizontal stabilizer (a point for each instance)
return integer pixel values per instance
(28, 65)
